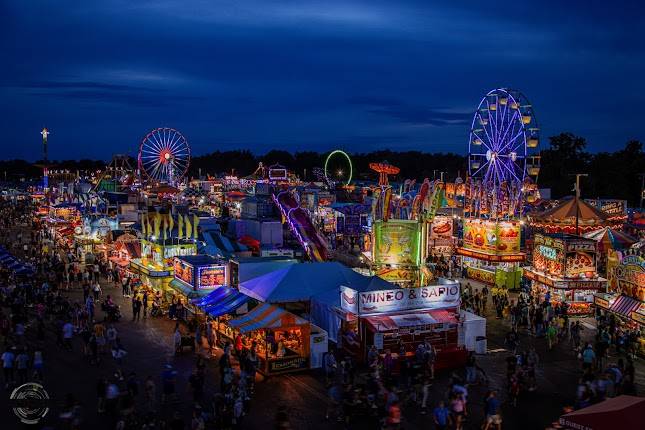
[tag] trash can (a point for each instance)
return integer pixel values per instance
(480, 345)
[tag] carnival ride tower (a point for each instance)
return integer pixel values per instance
(45, 133)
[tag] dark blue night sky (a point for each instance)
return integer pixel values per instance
(311, 75)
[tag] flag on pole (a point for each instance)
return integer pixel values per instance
(157, 223)
(189, 227)
(143, 224)
(180, 226)
(195, 224)
(171, 224)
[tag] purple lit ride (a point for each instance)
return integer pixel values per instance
(301, 226)
(164, 156)
(503, 154)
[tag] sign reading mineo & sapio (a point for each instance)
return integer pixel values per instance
(402, 299)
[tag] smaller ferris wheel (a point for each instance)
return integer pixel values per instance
(164, 156)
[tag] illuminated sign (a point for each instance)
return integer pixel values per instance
(547, 252)
(184, 271)
(603, 303)
(638, 317)
(492, 237)
(397, 242)
(211, 276)
(491, 257)
(403, 299)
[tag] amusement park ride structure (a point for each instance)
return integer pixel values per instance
(164, 157)
(117, 176)
(503, 158)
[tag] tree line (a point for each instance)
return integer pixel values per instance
(614, 174)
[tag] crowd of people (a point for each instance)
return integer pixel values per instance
(70, 303)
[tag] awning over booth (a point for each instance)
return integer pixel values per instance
(223, 300)
(625, 305)
(186, 289)
(622, 412)
(266, 316)
(393, 322)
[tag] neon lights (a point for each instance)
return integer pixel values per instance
(349, 161)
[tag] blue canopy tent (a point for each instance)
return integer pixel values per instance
(223, 300)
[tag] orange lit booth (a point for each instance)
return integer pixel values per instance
(491, 252)
(281, 339)
(565, 266)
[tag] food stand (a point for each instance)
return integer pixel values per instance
(405, 317)
(565, 266)
(281, 339)
(124, 249)
(491, 252)
(441, 240)
(155, 267)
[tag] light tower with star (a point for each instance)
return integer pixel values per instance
(45, 133)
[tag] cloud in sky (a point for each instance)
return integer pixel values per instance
(311, 74)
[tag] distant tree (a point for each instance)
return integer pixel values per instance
(565, 156)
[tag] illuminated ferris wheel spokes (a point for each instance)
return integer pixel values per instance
(164, 155)
(503, 137)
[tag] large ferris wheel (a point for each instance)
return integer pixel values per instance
(504, 140)
(164, 155)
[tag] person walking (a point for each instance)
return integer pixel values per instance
(39, 364)
(136, 307)
(22, 365)
(68, 333)
(8, 358)
(491, 409)
(441, 416)
(97, 291)
(144, 304)
(112, 335)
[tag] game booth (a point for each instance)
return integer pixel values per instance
(491, 252)
(403, 318)
(565, 267)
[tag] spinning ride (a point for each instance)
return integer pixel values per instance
(384, 169)
(503, 148)
(164, 156)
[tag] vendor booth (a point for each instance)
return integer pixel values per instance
(565, 267)
(626, 296)
(400, 319)
(155, 268)
(491, 252)
(622, 412)
(197, 275)
(281, 339)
